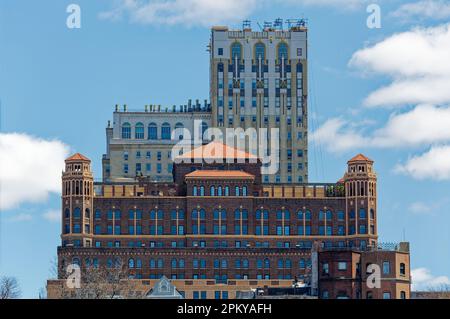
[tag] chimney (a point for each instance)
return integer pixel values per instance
(174, 108)
(206, 104)
(117, 107)
(159, 107)
(146, 108)
(124, 107)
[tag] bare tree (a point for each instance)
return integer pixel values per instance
(102, 283)
(9, 288)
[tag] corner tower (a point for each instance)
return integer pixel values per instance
(361, 201)
(77, 202)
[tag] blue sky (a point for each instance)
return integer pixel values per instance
(377, 91)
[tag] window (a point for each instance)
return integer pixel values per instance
(237, 191)
(139, 131)
(402, 269)
(165, 131)
(236, 51)
(325, 294)
(260, 51)
(244, 191)
(282, 51)
(362, 213)
(152, 132)
(126, 131)
(212, 191)
(369, 295)
(342, 265)
(220, 51)
(402, 295)
(386, 295)
(131, 263)
(77, 212)
(194, 191)
(386, 267)
(325, 268)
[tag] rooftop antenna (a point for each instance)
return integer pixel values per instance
(260, 26)
(267, 25)
(278, 24)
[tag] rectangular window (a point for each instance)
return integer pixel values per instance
(220, 51)
(386, 267)
(342, 265)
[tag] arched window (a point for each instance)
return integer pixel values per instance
(236, 51)
(87, 213)
(173, 263)
(329, 215)
(219, 191)
(181, 263)
(194, 191)
(227, 190)
(98, 214)
(180, 127)
(244, 191)
(288, 264)
(260, 51)
(223, 264)
(160, 263)
(302, 264)
(76, 261)
(66, 213)
(152, 131)
(76, 212)
(139, 131)
(308, 215)
(266, 263)
(202, 190)
(138, 263)
(131, 263)
(245, 263)
(259, 264)
(212, 191)
(299, 67)
(126, 131)
(300, 215)
(283, 51)
(237, 191)
(165, 131)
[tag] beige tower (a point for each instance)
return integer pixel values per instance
(361, 201)
(77, 202)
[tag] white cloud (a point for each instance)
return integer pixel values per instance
(435, 9)
(422, 279)
(337, 135)
(22, 217)
(30, 168)
(188, 12)
(434, 164)
(52, 215)
(416, 61)
(423, 125)
(205, 12)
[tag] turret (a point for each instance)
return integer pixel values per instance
(77, 201)
(361, 200)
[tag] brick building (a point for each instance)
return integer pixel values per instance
(217, 227)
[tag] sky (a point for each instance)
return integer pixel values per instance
(381, 90)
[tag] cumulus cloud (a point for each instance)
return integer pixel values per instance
(204, 12)
(30, 168)
(416, 61)
(433, 164)
(423, 280)
(423, 125)
(435, 9)
(52, 215)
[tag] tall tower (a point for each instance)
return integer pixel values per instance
(361, 200)
(259, 79)
(77, 202)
